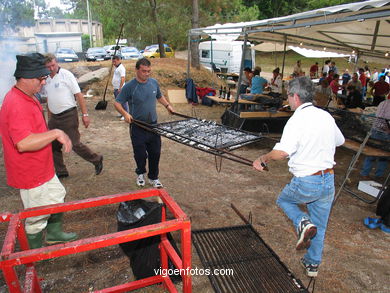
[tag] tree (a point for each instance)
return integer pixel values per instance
(14, 13)
(194, 39)
(153, 5)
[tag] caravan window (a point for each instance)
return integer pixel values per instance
(205, 53)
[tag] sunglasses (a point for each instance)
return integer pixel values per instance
(42, 78)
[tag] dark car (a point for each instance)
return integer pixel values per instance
(66, 55)
(97, 54)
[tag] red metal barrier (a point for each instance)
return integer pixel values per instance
(9, 258)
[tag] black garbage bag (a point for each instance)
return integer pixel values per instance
(383, 207)
(144, 254)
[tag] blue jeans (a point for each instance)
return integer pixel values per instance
(125, 104)
(382, 161)
(317, 192)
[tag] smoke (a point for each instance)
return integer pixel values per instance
(7, 69)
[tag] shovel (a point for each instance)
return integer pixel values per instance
(102, 105)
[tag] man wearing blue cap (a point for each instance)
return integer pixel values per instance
(27, 150)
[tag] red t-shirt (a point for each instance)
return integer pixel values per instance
(314, 68)
(21, 116)
(335, 86)
(363, 79)
(381, 88)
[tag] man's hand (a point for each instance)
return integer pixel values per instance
(86, 121)
(128, 117)
(260, 165)
(65, 140)
(170, 109)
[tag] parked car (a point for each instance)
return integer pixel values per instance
(111, 49)
(154, 52)
(152, 46)
(97, 54)
(66, 55)
(131, 53)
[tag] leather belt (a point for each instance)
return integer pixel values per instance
(330, 170)
(66, 111)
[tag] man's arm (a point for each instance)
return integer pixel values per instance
(37, 141)
(274, 155)
(163, 101)
(122, 83)
(83, 107)
(126, 115)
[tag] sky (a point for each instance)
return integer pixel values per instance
(55, 3)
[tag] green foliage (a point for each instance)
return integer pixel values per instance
(85, 42)
(15, 13)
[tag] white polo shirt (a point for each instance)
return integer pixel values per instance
(310, 138)
(60, 91)
(119, 72)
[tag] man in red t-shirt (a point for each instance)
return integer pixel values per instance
(27, 150)
(381, 89)
(314, 71)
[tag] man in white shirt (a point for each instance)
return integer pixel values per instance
(118, 79)
(309, 140)
(62, 91)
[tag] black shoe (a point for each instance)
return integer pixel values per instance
(310, 269)
(62, 174)
(99, 167)
(306, 231)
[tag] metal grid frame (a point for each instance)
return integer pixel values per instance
(9, 258)
(256, 266)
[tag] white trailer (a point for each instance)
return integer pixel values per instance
(226, 55)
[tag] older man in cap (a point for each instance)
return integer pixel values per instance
(27, 150)
(62, 91)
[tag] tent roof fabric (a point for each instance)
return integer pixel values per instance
(363, 27)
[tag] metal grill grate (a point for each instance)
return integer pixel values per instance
(205, 134)
(256, 268)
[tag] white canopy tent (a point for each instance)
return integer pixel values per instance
(361, 28)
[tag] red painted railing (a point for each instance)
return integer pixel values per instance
(9, 258)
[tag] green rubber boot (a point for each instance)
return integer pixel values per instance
(35, 240)
(54, 232)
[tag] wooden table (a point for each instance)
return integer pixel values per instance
(231, 101)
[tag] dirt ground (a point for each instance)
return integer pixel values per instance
(356, 259)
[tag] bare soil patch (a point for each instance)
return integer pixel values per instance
(356, 259)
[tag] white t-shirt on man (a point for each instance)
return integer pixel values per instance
(119, 72)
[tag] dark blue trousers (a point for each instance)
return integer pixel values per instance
(146, 145)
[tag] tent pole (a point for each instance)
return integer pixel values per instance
(189, 54)
(284, 54)
(356, 61)
(242, 65)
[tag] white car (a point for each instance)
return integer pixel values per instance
(111, 49)
(130, 53)
(66, 55)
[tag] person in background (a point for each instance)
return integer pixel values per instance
(363, 80)
(354, 98)
(374, 76)
(142, 93)
(380, 131)
(309, 140)
(118, 79)
(355, 82)
(258, 82)
(323, 77)
(367, 72)
(334, 85)
(324, 89)
(381, 90)
(62, 91)
(333, 67)
(329, 78)
(370, 92)
(27, 150)
(276, 84)
(246, 80)
(346, 77)
(314, 71)
(298, 69)
(325, 68)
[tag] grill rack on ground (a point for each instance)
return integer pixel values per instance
(256, 267)
(205, 135)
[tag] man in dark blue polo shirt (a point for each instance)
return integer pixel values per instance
(141, 94)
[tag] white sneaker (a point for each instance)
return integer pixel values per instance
(156, 183)
(140, 180)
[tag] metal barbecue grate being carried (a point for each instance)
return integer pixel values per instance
(245, 262)
(205, 134)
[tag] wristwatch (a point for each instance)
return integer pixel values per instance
(85, 115)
